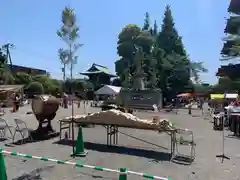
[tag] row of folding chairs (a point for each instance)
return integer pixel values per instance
(19, 128)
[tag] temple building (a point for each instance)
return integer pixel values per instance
(98, 75)
(231, 29)
(234, 7)
(28, 70)
(231, 71)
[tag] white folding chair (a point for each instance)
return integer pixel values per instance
(21, 128)
(185, 138)
(3, 127)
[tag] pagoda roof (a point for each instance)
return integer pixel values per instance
(227, 48)
(233, 24)
(231, 71)
(234, 7)
(98, 69)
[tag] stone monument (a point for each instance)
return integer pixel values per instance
(138, 97)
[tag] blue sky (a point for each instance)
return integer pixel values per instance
(31, 26)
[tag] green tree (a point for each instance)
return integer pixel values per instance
(196, 68)
(168, 38)
(129, 40)
(126, 48)
(64, 58)
(179, 67)
(50, 86)
(165, 63)
(3, 64)
(138, 72)
(69, 33)
(176, 73)
(23, 78)
(162, 67)
(202, 88)
(155, 29)
(147, 24)
(77, 85)
(34, 88)
(5, 73)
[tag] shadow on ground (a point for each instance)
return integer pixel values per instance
(34, 137)
(35, 174)
(231, 136)
(181, 160)
(150, 154)
(2, 139)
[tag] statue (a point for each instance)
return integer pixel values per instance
(138, 97)
(138, 82)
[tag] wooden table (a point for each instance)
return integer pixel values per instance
(112, 132)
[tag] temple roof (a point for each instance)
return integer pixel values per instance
(234, 7)
(233, 24)
(98, 69)
(227, 49)
(231, 71)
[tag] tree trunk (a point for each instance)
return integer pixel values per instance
(64, 72)
(64, 79)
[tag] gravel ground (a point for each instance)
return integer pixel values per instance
(133, 154)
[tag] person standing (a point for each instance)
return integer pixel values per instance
(17, 101)
(190, 107)
(13, 98)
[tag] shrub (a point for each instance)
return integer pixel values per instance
(35, 88)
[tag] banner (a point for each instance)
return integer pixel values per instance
(231, 96)
(217, 96)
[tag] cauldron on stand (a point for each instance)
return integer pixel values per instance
(218, 122)
(44, 108)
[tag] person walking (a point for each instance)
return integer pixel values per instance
(17, 102)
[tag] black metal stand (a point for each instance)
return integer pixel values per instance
(222, 156)
(45, 129)
(173, 141)
(112, 135)
(73, 135)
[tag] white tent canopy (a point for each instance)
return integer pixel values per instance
(231, 96)
(108, 90)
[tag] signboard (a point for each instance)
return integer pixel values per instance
(217, 96)
(231, 96)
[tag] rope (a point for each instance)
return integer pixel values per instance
(80, 165)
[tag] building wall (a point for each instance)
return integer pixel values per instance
(99, 79)
(141, 98)
(28, 70)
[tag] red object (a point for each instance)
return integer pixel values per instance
(236, 103)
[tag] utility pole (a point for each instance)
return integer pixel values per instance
(6, 47)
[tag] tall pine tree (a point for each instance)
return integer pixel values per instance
(166, 64)
(146, 25)
(168, 38)
(178, 76)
